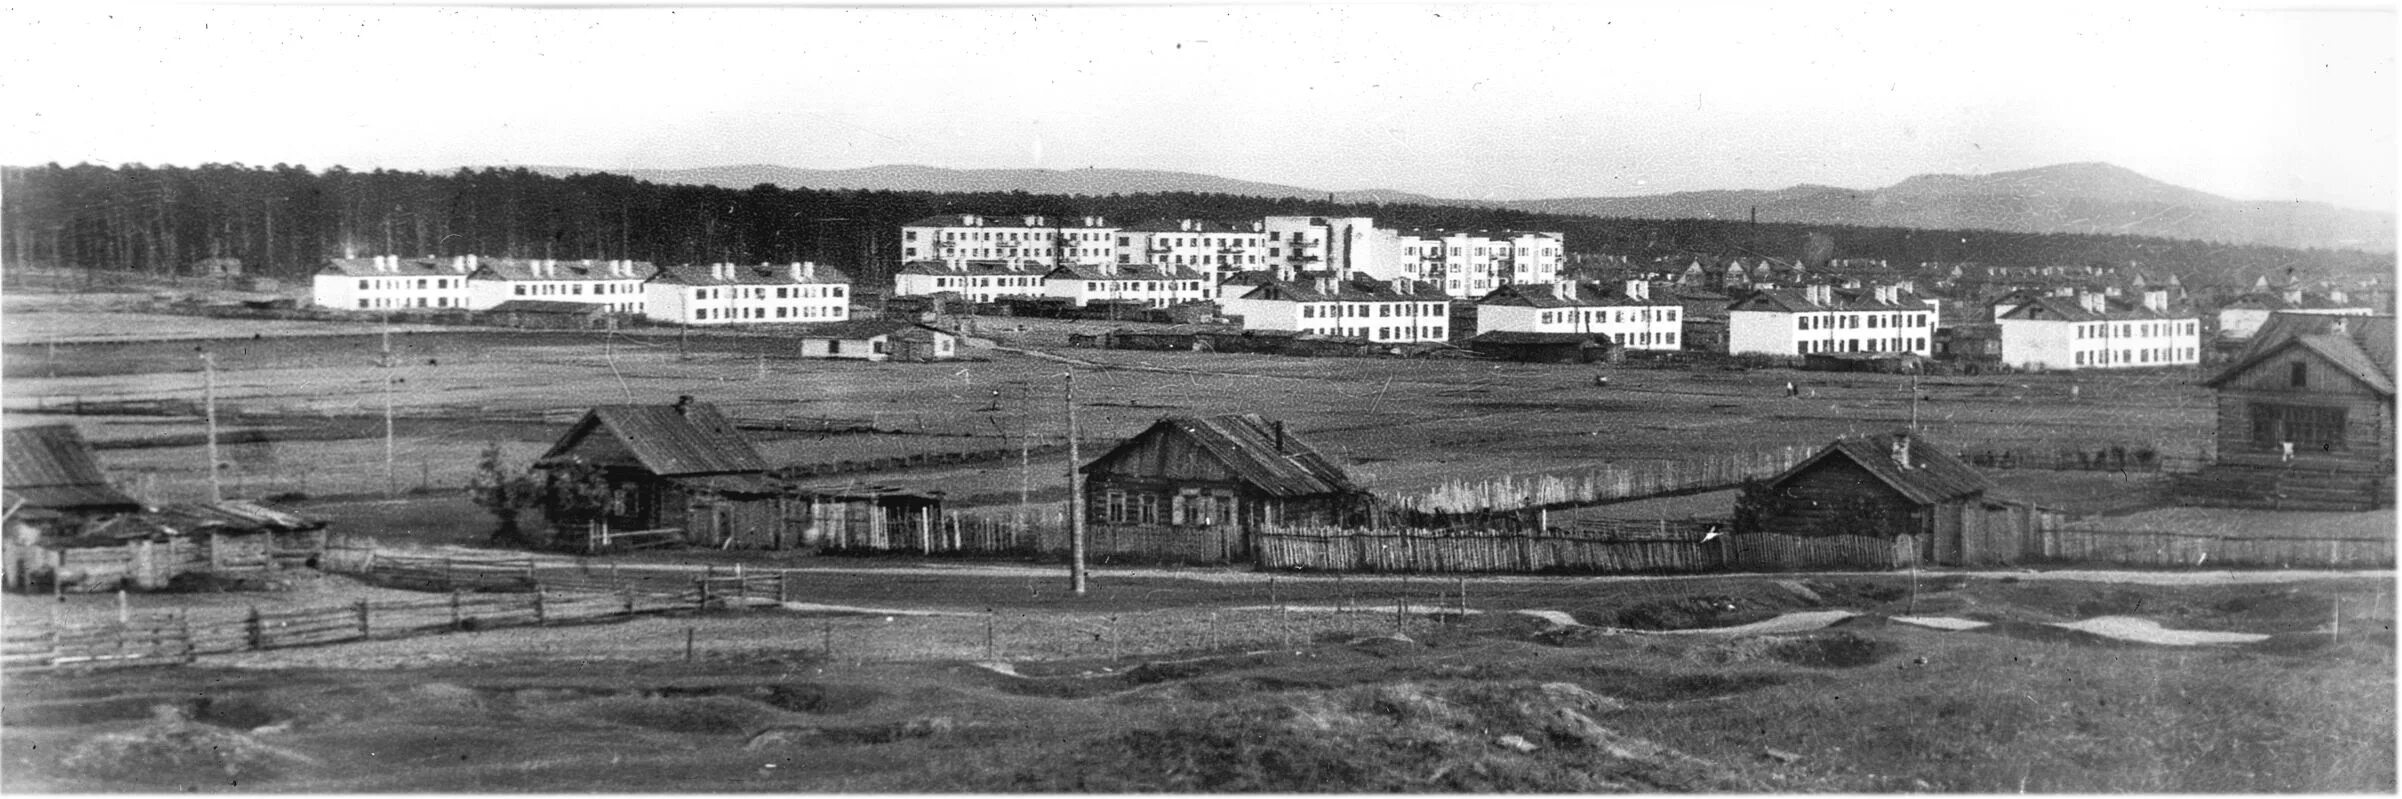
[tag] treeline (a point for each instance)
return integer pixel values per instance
(284, 220)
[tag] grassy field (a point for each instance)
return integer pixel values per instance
(1399, 423)
(1228, 699)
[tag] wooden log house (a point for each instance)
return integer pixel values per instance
(1202, 488)
(1878, 502)
(681, 466)
(2305, 417)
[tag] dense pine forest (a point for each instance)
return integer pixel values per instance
(283, 220)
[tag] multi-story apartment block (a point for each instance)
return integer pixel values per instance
(724, 294)
(1629, 317)
(1215, 249)
(1339, 244)
(1155, 286)
(1472, 263)
(1820, 318)
(978, 281)
(2241, 317)
(1036, 242)
(616, 284)
(2094, 331)
(1394, 312)
(390, 282)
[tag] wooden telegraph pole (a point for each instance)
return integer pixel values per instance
(208, 398)
(1076, 574)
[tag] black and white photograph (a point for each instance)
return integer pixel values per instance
(1748, 396)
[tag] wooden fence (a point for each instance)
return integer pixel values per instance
(2205, 550)
(1668, 546)
(1782, 552)
(1608, 483)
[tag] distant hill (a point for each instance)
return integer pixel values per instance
(908, 177)
(2066, 198)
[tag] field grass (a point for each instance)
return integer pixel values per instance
(1330, 702)
(1398, 424)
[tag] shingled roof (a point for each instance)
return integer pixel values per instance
(688, 438)
(1271, 459)
(2362, 346)
(539, 269)
(1931, 476)
(50, 467)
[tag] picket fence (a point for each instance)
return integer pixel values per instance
(2204, 550)
(1608, 483)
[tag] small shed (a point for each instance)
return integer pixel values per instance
(1873, 502)
(865, 518)
(549, 315)
(879, 340)
(1543, 347)
(683, 467)
(1193, 488)
(286, 539)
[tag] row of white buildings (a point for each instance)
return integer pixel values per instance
(987, 257)
(699, 294)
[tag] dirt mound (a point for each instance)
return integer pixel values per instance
(1453, 737)
(1837, 650)
(174, 750)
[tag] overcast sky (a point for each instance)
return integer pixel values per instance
(1477, 100)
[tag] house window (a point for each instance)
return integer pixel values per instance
(1114, 506)
(2299, 375)
(1146, 509)
(2306, 426)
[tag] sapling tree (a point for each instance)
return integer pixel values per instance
(503, 492)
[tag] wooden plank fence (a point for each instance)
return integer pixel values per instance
(2205, 550)
(1595, 485)
(1666, 546)
(1782, 552)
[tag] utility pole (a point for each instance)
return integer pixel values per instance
(1025, 457)
(1913, 400)
(391, 477)
(208, 398)
(1076, 575)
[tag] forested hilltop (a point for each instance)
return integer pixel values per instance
(282, 221)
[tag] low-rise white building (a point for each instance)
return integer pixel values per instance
(390, 282)
(1472, 263)
(1214, 249)
(2094, 331)
(1629, 317)
(978, 281)
(1155, 286)
(1035, 242)
(1393, 312)
(2243, 316)
(727, 294)
(1820, 318)
(878, 340)
(615, 284)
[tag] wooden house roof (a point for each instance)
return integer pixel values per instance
(1274, 460)
(2362, 346)
(51, 467)
(687, 438)
(1931, 476)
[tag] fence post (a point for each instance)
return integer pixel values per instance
(255, 629)
(783, 586)
(688, 636)
(364, 631)
(629, 595)
(742, 589)
(539, 616)
(454, 609)
(989, 650)
(529, 572)
(700, 591)
(449, 580)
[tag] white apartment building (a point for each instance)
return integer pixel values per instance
(1214, 249)
(1382, 312)
(1629, 317)
(1821, 318)
(390, 282)
(1035, 242)
(1339, 244)
(978, 281)
(1155, 286)
(1469, 263)
(616, 284)
(724, 294)
(2094, 331)
(2243, 316)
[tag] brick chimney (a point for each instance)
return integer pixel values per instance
(1901, 449)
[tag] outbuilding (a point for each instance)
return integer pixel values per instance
(879, 340)
(682, 467)
(1872, 502)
